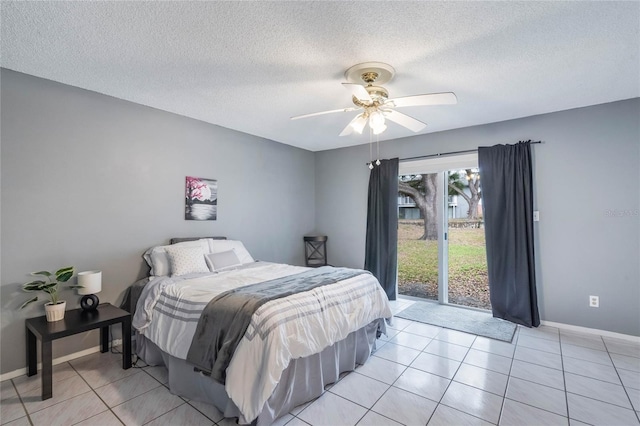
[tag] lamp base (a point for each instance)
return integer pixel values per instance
(89, 302)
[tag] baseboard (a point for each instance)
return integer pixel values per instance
(56, 361)
(569, 327)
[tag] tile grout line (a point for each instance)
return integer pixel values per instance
(167, 387)
(174, 408)
(143, 369)
(24, 407)
(504, 398)
(342, 397)
(449, 385)
(308, 403)
(633, 408)
(450, 380)
(59, 402)
(564, 380)
(143, 393)
(214, 422)
(516, 336)
(96, 393)
(599, 380)
(406, 367)
(530, 381)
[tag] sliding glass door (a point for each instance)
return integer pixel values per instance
(466, 257)
(441, 251)
(418, 236)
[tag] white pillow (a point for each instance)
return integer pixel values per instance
(158, 260)
(217, 246)
(161, 265)
(186, 260)
(222, 260)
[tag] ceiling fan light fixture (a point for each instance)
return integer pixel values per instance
(379, 129)
(376, 122)
(374, 104)
(358, 124)
(376, 119)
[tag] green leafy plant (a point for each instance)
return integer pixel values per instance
(49, 285)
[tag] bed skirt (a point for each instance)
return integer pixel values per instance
(303, 380)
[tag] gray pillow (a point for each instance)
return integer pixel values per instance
(222, 260)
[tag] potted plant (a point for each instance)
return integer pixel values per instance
(54, 308)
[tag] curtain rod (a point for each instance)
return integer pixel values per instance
(449, 153)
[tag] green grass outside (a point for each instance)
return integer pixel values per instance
(418, 265)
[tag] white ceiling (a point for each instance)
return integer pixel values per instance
(249, 66)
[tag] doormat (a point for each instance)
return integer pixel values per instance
(461, 319)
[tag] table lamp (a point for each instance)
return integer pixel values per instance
(91, 283)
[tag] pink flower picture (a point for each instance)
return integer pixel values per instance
(201, 199)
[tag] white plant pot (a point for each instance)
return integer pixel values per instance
(55, 312)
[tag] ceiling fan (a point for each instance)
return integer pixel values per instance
(375, 103)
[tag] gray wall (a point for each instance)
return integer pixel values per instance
(590, 158)
(92, 181)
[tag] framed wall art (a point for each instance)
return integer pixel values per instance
(201, 199)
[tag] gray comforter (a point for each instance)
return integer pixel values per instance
(225, 319)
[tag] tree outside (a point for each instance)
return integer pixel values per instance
(423, 190)
(418, 242)
(457, 186)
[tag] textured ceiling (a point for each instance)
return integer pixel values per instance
(249, 66)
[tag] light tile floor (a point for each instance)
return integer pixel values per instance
(420, 375)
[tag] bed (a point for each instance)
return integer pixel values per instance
(293, 344)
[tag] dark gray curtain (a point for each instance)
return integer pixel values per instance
(381, 252)
(507, 201)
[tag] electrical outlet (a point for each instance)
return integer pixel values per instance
(594, 301)
(536, 216)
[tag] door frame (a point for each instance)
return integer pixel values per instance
(443, 238)
(441, 165)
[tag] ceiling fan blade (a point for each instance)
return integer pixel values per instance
(355, 125)
(358, 91)
(324, 112)
(404, 120)
(446, 98)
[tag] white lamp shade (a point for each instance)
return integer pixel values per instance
(91, 282)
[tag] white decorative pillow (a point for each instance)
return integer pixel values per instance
(186, 260)
(217, 246)
(158, 260)
(161, 265)
(222, 260)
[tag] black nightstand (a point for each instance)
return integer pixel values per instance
(75, 321)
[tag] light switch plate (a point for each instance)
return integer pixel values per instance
(536, 216)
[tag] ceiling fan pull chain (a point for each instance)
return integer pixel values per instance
(370, 150)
